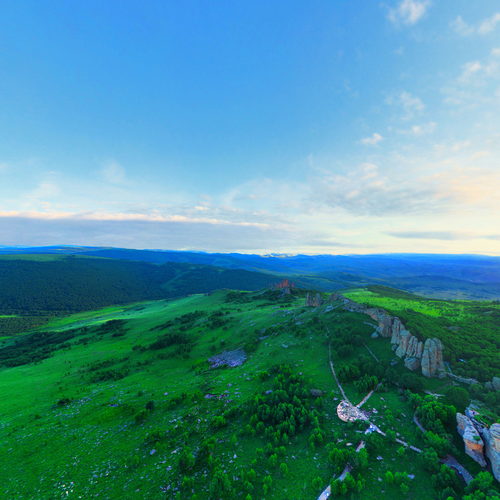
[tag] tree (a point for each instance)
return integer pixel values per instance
(482, 482)
(284, 469)
(458, 397)
(220, 486)
(317, 483)
(361, 459)
(440, 444)
(430, 460)
(389, 477)
(186, 460)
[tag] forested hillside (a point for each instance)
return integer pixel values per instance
(32, 289)
(439, 276)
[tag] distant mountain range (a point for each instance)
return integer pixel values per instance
(433, 275)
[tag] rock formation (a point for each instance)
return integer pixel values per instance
(496, 383)
(415, 353)
(432, 358)
(285, 286)
(313, 300)
(473, 443)
(491, 439)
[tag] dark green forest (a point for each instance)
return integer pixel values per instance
(33, 290)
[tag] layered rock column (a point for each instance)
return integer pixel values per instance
(432, 358)
(473, 443)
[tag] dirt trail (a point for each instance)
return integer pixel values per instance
(341, 389)
(348, 468)
(368, 396)
(372, 353)
(449, 460)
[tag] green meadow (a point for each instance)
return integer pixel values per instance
(121, 402)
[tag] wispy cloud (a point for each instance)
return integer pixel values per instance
(477, 83)
(124, 217)
(485, 27)
(429, 235)
(410, 104)
(434, 235)
(372, 140)
(408, 12)
(365, 191)
(421, 129)
(113, 172)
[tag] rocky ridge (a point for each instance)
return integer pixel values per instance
(428, 355)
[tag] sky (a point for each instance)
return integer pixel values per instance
(318, 126)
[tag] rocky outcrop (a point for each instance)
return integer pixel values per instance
(491, 439)
(473, 443)
(386, 323)
(496, 383)
(416, 354)
(314, 300)
(432, 358)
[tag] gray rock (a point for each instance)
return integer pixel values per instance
(412, 363)
(473, 444)
(496, 383)
(492, 447)
(432, 358)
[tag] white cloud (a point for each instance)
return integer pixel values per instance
(113, 172)
(372, 140)
(489, 25)
(408, 12)
(426, 128)
(410, 104)
(483, 28)
(476, 85)
(469, 69)
(461, 27)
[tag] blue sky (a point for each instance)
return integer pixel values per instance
(284, 126)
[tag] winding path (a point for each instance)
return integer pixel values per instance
(449, 460)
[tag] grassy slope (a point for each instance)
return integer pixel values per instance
(93, 446)
(34, 288)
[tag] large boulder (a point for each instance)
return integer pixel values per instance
(473, 444)
(412, 363)
(491, 438)
(432, 358)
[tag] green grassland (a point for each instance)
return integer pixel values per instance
(120, 402)
(36, 288)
